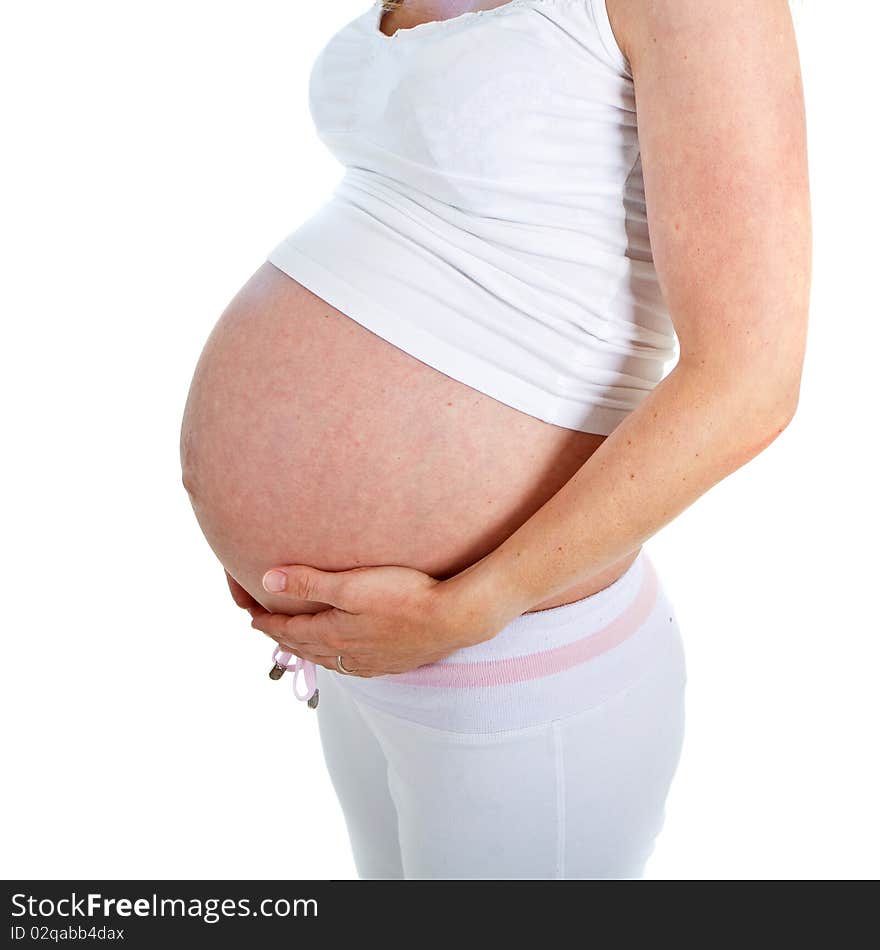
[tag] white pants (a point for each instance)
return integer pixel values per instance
(547, 752)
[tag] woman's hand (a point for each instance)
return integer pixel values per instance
(382, 619)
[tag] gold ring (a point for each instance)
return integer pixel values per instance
(341, 666)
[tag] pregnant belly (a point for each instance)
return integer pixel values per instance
(308, 439)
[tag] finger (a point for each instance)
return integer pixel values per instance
(299, 648)
(320, 631)
(277, 630)
(328, 662)
(301, 582)
(360, 672)
(241, 597)
(306, 650)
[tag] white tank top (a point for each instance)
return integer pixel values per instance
(491, 217)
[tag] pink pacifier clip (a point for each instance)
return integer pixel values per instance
(283, 664)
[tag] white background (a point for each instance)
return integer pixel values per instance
(155, 152)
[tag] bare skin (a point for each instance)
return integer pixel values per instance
(308, 439)
(722, 135)
(372, 456)
(415, 12)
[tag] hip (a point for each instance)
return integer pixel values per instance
(545, 665)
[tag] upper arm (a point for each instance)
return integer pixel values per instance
(722, 134)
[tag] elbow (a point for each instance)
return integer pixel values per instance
(751, 403)
(788, 407)
(752, 424)
(765, 410)
(777, 404)
(783, 389)
(777, 422)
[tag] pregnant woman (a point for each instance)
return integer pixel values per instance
(560, 291)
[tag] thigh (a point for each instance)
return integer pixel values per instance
(359, 774)
(578, 797)
(472, 806)
(617, 763)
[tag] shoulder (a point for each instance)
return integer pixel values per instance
(644, 28)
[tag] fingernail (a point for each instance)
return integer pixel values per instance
(275, 581)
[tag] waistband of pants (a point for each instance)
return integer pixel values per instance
(544, 664)
(548, 641)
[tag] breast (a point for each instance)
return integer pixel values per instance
(308, 439)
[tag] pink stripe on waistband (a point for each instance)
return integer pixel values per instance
(544, 663)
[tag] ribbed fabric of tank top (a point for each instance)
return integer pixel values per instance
(491, 216)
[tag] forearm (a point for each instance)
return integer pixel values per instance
(691, 432)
